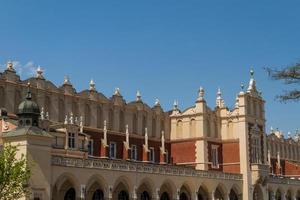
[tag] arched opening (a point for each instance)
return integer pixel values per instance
(167, 190)
(183, 196)
(233, 195)
(288, 195)
(70, 194)
(145, 196)
(257, 193)
(278, 195)
(98, 195)
(185, 193)
(123, 195)
(120, 191)
(218, 194)
(165, 196)
(202, 194)
(298, 195)
(145, 189)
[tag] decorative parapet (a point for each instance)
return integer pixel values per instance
(121, 165)
(283, 180)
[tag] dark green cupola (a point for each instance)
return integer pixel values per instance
(28, 111)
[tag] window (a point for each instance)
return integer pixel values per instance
(167, 157)
(112, 150)
(215, 156)
(151, 154)
(71, 141)
(90, 147)
(133, 152)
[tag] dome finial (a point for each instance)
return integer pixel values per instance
(138, 96)
(39, 72)
(67, 80)
(10, 66)
(157, 102)
(252, 72)
(92, 85)
(117, 91)
(201, 93)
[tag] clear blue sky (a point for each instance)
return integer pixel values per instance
(166, 49)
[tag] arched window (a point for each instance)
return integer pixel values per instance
(111, 119)
(99, 117)
(179, 129)
(61, 110)
(134, 123)
(121, 121)
(193, 128)
(154, 127)
(2, 97)
(70, 194)
(87, 115)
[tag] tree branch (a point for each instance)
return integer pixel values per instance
(293, 95)
(289, 75)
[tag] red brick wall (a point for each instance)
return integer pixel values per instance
(183, 152)
(231, 154)
(291, 169)
(119, 139)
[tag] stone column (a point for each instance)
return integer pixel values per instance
(195, 196)
(155, 195)
(271, 195)
(177, 195)
(110, 192)
(212, 195)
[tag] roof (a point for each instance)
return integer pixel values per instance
(27, 130)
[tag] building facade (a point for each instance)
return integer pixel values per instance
(88, 146)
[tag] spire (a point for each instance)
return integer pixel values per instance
(138, 96)
(252, 83)
(242, 89)
(175, 105)
(220, 102)
(117, 92)
(201, 93)
(39, 73)
(92, 85)
(10, 66)
(67, 80)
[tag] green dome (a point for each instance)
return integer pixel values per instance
(28, 106)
